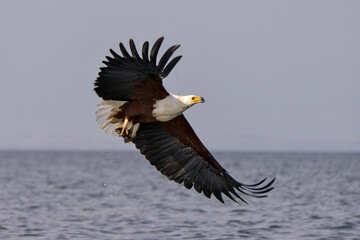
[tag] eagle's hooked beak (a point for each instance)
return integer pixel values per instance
(198, 99)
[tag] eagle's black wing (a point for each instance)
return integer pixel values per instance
(178, 153)
(124, 75)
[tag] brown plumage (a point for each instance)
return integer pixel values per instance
(136, 102)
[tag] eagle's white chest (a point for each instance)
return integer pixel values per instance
(169, 108)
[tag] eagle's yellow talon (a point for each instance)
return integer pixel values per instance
(123, 129)
(118, 130)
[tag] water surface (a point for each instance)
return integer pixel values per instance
(119, 195)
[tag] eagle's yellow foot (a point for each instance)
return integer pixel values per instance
(121, 130)
(125, 130)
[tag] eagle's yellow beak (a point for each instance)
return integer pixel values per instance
(198, 99)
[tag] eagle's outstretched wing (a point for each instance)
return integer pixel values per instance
(171, 146)
(175, 150)
(129, 77)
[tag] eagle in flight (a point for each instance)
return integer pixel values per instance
(137, 107)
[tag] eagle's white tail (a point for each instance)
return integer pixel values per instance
(107, 117)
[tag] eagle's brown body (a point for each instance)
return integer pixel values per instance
(141, 106)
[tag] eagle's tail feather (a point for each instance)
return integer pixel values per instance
(107, 113)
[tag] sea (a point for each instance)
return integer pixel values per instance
(119, 195)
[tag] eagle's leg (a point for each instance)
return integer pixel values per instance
(128, 132)
(124, 130)
(121, 129)
(130, 127)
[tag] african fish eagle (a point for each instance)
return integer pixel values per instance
(137, 107)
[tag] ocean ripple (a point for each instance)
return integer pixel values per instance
(119, 195)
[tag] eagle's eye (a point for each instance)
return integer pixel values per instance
(192, 98)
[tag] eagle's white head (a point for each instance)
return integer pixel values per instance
(190, 100)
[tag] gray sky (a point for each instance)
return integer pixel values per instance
(276, 75)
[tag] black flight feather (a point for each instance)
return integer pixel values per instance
(118, 80)
(155, 50)
(183, 164)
